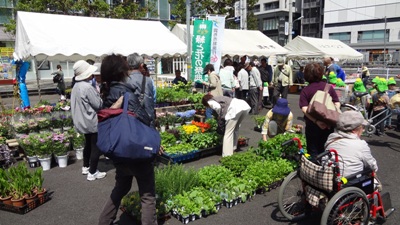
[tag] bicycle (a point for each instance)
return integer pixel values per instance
(361, 99)
(351, 200)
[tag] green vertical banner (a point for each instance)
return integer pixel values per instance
(201, 48)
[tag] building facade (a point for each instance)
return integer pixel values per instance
(371, 27)
(272, 16)
(313, 21)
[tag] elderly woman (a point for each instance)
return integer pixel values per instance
(355, 153)
(317, 131)
(233, 110)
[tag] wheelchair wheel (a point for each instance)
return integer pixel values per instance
(348, 206)
(291, 199)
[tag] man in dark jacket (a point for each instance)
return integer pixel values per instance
(266, 77)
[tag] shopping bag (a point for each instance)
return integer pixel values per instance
(322, 108)
(123, 137)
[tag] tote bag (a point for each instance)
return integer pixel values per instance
(123, 137)
(322, 108)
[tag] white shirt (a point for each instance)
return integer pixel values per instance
(243, 77)
(236, 106)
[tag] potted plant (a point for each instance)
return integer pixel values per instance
(259, 120)
(162, 121)
(56, 123)
(67, 123)
(189, 119)
(20, 128)
(18, 176)
(171, 120)
(60, 148)
(5, 188)
(37, 180)
(78, 143)
(29, 150)
(178, 121)
(43, 145)
(43, 124)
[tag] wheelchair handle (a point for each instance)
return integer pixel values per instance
(328, 152)
(291, 141)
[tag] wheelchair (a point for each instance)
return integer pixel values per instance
(318, 186)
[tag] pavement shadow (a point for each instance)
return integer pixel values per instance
(277, 216)
(126, 219)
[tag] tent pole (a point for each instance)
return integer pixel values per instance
(37, 77)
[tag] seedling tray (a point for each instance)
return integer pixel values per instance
(28, 207)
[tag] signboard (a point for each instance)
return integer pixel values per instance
(216, 40)
(237, 9)
(201, 48)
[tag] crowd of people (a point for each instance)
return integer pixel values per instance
(239, 89)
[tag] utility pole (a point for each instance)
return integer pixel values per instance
(243, 14)
(290, 19)
(189, 41)
(384, 45)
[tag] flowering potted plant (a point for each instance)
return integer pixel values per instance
(67, 123)
(56, 123)
(21, 127)
(78, 143)
(42, 143)
(60, 148)
(43, 123)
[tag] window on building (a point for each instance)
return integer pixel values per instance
(343, 36)
(270, 24)
(5, 15)
(256, 8)
(372, 36)
(271, 6)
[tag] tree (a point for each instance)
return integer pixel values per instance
(130, 9)
(202, 8)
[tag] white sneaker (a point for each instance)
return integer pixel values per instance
(97, 175)
(85, 170)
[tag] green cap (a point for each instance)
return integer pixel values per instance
(375, 79)
(332, 78)
(340, 83)
(381, 85)
(359, 86)
(391, 81)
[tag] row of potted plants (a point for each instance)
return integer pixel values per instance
(41, 146)
(234, 181)
(19, 187)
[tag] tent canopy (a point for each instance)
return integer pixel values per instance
(64, 37)
(240, 42)
(307, 47)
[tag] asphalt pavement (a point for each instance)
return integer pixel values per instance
(74, 200)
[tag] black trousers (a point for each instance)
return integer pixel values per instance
(380, 128)
(280, 90)
(144, 174)
(91, 153)
(316, 138)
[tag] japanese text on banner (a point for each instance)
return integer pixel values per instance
(217, 39)
(201, 46)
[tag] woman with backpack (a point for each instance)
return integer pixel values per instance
(316, 131)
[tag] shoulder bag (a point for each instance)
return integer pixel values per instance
(322, 108)
(123, 137)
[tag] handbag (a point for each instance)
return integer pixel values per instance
(123, 137)
(322, 108)
(57, 78)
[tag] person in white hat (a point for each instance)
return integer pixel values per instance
(85, 102)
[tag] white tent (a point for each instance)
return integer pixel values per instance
(240, 42)
(307, 47)
(61, 37)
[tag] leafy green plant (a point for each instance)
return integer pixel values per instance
(212, 176)
(162, 121)
(195, 98)
(259, 120)
(265, 173)
(5, 187)
(43, 123)
(167, 139)
(205, 140)
(180, 149)
(238, 163)
(213, 124)
(272, 149)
